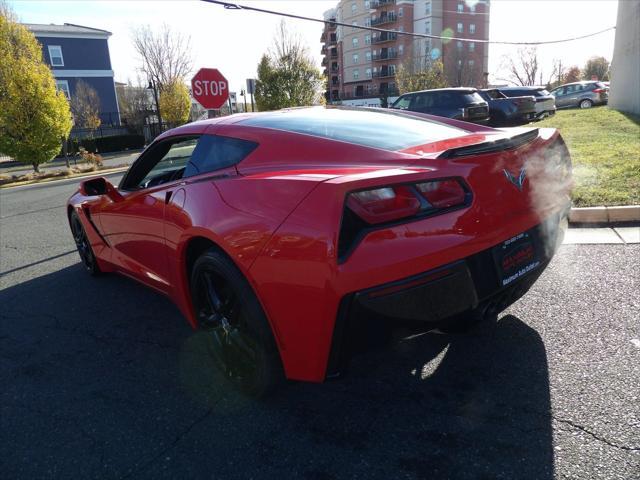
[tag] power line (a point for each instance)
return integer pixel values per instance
(236, 6)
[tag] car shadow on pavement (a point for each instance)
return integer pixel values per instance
(110, 369)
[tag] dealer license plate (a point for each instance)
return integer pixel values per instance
(516, 257)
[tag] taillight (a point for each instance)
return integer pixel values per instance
(599, 90)
(443, 193)
(366, 209)
(388, 204)
(384, 204)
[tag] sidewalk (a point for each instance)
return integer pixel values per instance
(592, 236)
(110, 160)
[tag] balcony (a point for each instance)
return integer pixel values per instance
(384, 73)
(384, 37)
(323, 50)
(381, 3)
(388, 55)
(384, 19)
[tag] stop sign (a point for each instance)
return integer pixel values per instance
(210, 88)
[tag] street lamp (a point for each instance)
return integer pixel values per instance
(152, 87)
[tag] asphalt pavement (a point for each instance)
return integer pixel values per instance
(103, 378)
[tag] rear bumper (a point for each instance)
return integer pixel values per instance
(461, 287)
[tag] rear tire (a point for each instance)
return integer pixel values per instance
(586, 103)
(241, 340)
(83, 245)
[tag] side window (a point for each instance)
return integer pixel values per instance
(403, 102)
(421, 102)
(171, 165)
(215, 152)
(161, 163)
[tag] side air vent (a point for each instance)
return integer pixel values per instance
(488, 147)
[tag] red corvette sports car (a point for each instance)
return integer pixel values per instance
(270, 230)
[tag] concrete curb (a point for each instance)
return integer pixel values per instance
(97, 173)
(602, 215)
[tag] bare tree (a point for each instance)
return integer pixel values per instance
(135, 103)
(523, 70)
(85, 106)
(165, 56)
(7, 12)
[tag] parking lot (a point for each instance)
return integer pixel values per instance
(103, 378)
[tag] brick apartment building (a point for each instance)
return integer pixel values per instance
(360, 65)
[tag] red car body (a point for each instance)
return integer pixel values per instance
(279, 214)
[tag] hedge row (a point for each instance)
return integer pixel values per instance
(114, 143)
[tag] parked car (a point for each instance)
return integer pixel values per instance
(545, 102)
(271, 231)
(458, 103)
(508, 111)
(581, 94)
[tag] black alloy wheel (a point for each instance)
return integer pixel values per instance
(238, 334)
(83, 245)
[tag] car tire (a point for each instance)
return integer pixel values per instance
(241, 341)
(83, 245)
(586, 103)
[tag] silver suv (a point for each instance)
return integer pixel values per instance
(581, 94)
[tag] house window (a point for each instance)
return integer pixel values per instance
(354, 8)
(472, 28)
(368, 55)
(472, 47)
(55, 55)
(427, 27)
(356, 74)
(400, 50)
(460, 27)
(392, 69)
(354, 41)
(471, 63)
(367, 4)
(367, 22)
(355, 24)
(460, 8)
(368, 72)
(356, 57)
(400, 12)
(459, 45)
(63, 86)
(427, 8)
(401, 29)
(459, 63)
(367, 39)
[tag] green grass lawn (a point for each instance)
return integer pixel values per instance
(605, 149)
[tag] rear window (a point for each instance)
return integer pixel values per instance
(526, 92)
(384, 129)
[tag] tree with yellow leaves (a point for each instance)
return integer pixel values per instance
(34, 116)
(175, 102)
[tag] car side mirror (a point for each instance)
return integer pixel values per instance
(99, 186)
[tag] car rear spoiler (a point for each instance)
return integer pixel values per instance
(494, 146)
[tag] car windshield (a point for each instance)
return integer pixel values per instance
(388, 130)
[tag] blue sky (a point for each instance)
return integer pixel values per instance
(233, 41)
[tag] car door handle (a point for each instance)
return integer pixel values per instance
(167, 196)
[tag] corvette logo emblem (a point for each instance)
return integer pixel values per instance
(517, 181)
